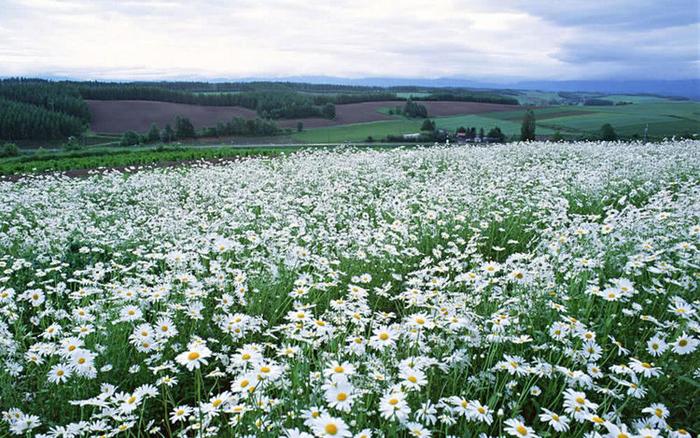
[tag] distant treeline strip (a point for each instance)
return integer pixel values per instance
(470, 97)
(272, 104)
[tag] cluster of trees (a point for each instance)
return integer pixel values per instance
(598, 102)
(495, 134)
(24, 121)
(185, 130)
(528, 126)
(118, 91)
(9, 150)
(341, 99)
(33, 109)
(471, 133)
(463, 96)
(243, 127)
(292, 106)
(413, 109)
(48, 95)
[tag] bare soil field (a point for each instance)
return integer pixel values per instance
(116, 116)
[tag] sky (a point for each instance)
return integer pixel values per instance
(497, 40)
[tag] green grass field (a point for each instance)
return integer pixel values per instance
(665, 118)
(412, 95)
(358, 131)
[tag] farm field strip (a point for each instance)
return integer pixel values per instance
(527, 290)
(664, 119)
(122, 115)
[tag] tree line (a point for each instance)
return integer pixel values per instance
(184, 129)
(461, 96)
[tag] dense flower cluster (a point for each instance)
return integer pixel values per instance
(525, 290)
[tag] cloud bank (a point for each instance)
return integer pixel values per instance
(495, 40)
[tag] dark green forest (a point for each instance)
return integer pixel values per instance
(38, 109)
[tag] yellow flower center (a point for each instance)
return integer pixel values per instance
(394, 401)
(339, 369)
(193, 355)
(331, 429)
(342, 396)
(384, 336)
(412, 379)
(521, 430)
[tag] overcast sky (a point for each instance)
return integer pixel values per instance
(496, 40)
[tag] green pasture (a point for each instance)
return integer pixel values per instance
(358, 131)
(664, 117)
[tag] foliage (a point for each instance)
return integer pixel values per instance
(496, 134)
(184, 128)
(51, 96)
(153, 134)
(413, 109)
(328, 111)
(9, 150)
(167, 134)
(598, 102)
(607, 132)
(428, 125)
(527, 128)
(463, 96)
(20, 121)
(130, 138)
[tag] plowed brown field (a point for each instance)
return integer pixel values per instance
(116, 116)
